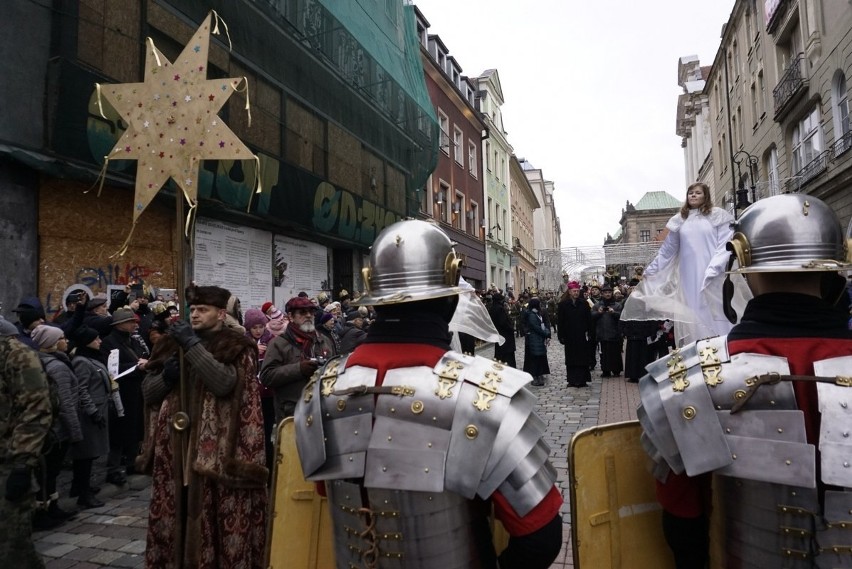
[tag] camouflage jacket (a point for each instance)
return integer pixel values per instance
(25, 413)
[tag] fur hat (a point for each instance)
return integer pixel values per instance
(322, 298)
(84, 335)
(343, 294)
(253, 317)
(123, 315)
(209, 295)
(298, 302)
(46, 336)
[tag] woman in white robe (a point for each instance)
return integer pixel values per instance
(684, 281)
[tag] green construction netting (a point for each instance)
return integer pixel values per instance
(357, 62)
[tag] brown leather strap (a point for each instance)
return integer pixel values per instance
(359, 390)
(774, 378)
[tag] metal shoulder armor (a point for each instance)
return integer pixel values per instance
(688, 426)
(835, 407)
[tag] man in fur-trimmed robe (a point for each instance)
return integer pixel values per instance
(209, 497)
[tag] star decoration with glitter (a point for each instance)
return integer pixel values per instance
(170, 116)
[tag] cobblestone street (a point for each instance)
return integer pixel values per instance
(114, 535)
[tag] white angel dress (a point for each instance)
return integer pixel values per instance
(684, 281)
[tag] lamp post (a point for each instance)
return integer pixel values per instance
(742, 194)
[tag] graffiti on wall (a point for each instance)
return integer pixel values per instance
(97, 279)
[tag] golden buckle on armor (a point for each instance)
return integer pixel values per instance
(677, 372)
(487, 391)
(447, 379)
(711, 366)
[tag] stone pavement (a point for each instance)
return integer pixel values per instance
(114, 535)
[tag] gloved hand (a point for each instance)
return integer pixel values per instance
(98, 419)
(18, 483)
(171, 371)
(183, 334)
(308, 367)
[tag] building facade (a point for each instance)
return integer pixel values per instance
(547, 234)
(779, 103)
(497, 153)
(340, 121)
(523, 205)
(453, 195)
(693, 122)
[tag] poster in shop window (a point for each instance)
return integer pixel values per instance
(234, 257)
(298, 266)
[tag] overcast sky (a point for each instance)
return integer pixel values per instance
(591, 91)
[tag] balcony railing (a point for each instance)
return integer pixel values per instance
(842, 144)
(811, 170)
(792, 83)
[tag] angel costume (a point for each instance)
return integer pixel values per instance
(684, 281)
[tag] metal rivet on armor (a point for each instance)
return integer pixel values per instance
(844, 404)
(739, 394)
(434, 418)
(341, 404)
(843, 525)
(384, 469)
(390, 438)
(787, 462)
(356, 432)
(325, 439)
(393, 409)
(845, 464)
(793, 493)
(689, 412)
(429, 445)
(429, 498)
(417, 407)
(728, 431)
(351, 459)
(309, 420)
(426, 470)
(734, 456)
(718, 407)
(328, 414)
(846, 434)
(360, 408)
(471, 432)
(780, 430)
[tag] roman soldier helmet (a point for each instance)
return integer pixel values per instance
(410, 260)
(788, 233)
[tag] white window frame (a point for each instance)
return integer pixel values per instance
(474, 219)
(444, 126)
(840, 111)
(807, 140)
(458, 145)
(472, 163)
(458, 211)
(772, 171)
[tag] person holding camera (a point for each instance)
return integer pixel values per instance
(208, 493)
(294, 356)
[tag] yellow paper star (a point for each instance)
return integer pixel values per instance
(172, 120)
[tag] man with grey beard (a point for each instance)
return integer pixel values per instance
(294, 356)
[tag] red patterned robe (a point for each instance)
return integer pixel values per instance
(218, 520)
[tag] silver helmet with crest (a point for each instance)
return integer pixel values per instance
(410, 260)
(789, 233)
